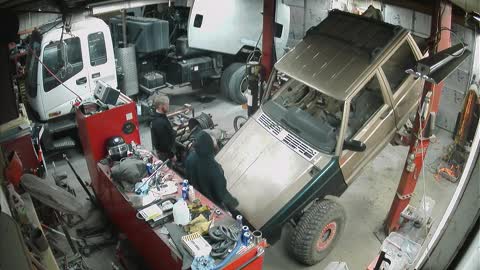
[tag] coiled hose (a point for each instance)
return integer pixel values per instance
(230, 256)
(224, 238)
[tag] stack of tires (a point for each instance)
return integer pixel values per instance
(234, 83)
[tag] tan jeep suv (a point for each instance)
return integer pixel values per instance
(331, 104)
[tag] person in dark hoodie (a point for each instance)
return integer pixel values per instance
(163, 135)
(206, 175)
(191, 157)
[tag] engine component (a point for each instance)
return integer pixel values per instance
(117, 148)
(203, 120)
(188, 70)
(147, 34)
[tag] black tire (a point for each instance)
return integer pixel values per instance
(317, 232)
(238, 84)
(226, 75)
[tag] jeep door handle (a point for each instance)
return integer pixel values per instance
(81, 81)
(95, 75)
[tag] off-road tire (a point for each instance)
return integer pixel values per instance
(307, 243)
(225, 79)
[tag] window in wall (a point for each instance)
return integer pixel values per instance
(395, 67)
(96, 48)
(64, 61)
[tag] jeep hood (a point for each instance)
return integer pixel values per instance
(265, 168)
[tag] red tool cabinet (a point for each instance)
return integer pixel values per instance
(94, 131)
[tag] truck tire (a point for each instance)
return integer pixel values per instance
(317, 232)
(238, 84)
(226, 75)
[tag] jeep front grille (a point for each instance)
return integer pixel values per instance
(287, 138)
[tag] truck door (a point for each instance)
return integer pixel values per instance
(101, 59)
(66, 59)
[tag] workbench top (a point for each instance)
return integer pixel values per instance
(223, 218)
(220, 218)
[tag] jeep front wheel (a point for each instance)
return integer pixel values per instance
(317, 232)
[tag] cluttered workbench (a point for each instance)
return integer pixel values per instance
(168, 222)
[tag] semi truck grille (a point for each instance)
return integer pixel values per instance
(287, 138)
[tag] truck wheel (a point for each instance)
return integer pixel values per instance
(226, 75)
(317, 232)
(238, 84)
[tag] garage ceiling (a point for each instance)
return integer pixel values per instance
(30, 4)
(22, 6)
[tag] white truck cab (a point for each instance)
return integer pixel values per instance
(78, 58)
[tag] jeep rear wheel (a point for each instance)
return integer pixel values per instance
(317, 232)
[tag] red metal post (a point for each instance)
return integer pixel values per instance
(267, 37)
(442, 19)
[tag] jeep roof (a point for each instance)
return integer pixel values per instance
(339, 52)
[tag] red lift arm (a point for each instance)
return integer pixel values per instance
(441, 20)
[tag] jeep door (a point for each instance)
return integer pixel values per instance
(368, 117)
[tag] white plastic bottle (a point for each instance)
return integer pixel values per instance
(181, 214)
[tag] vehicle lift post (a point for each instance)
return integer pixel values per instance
(429, 103)
(267, 37)
(256, 74)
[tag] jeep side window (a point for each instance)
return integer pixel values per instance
(394, 68)
(96, 48)
(363, 106)
(65, 68)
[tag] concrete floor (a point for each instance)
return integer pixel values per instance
(366, 201)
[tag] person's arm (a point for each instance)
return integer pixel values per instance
(171, 137)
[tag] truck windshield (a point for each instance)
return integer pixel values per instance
(311, 115)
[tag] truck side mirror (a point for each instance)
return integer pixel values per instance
(354, 145)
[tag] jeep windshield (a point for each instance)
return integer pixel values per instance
(308, 113)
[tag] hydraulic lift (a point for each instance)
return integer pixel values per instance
(429, 104)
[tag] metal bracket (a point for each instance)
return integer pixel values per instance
(404, 197)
